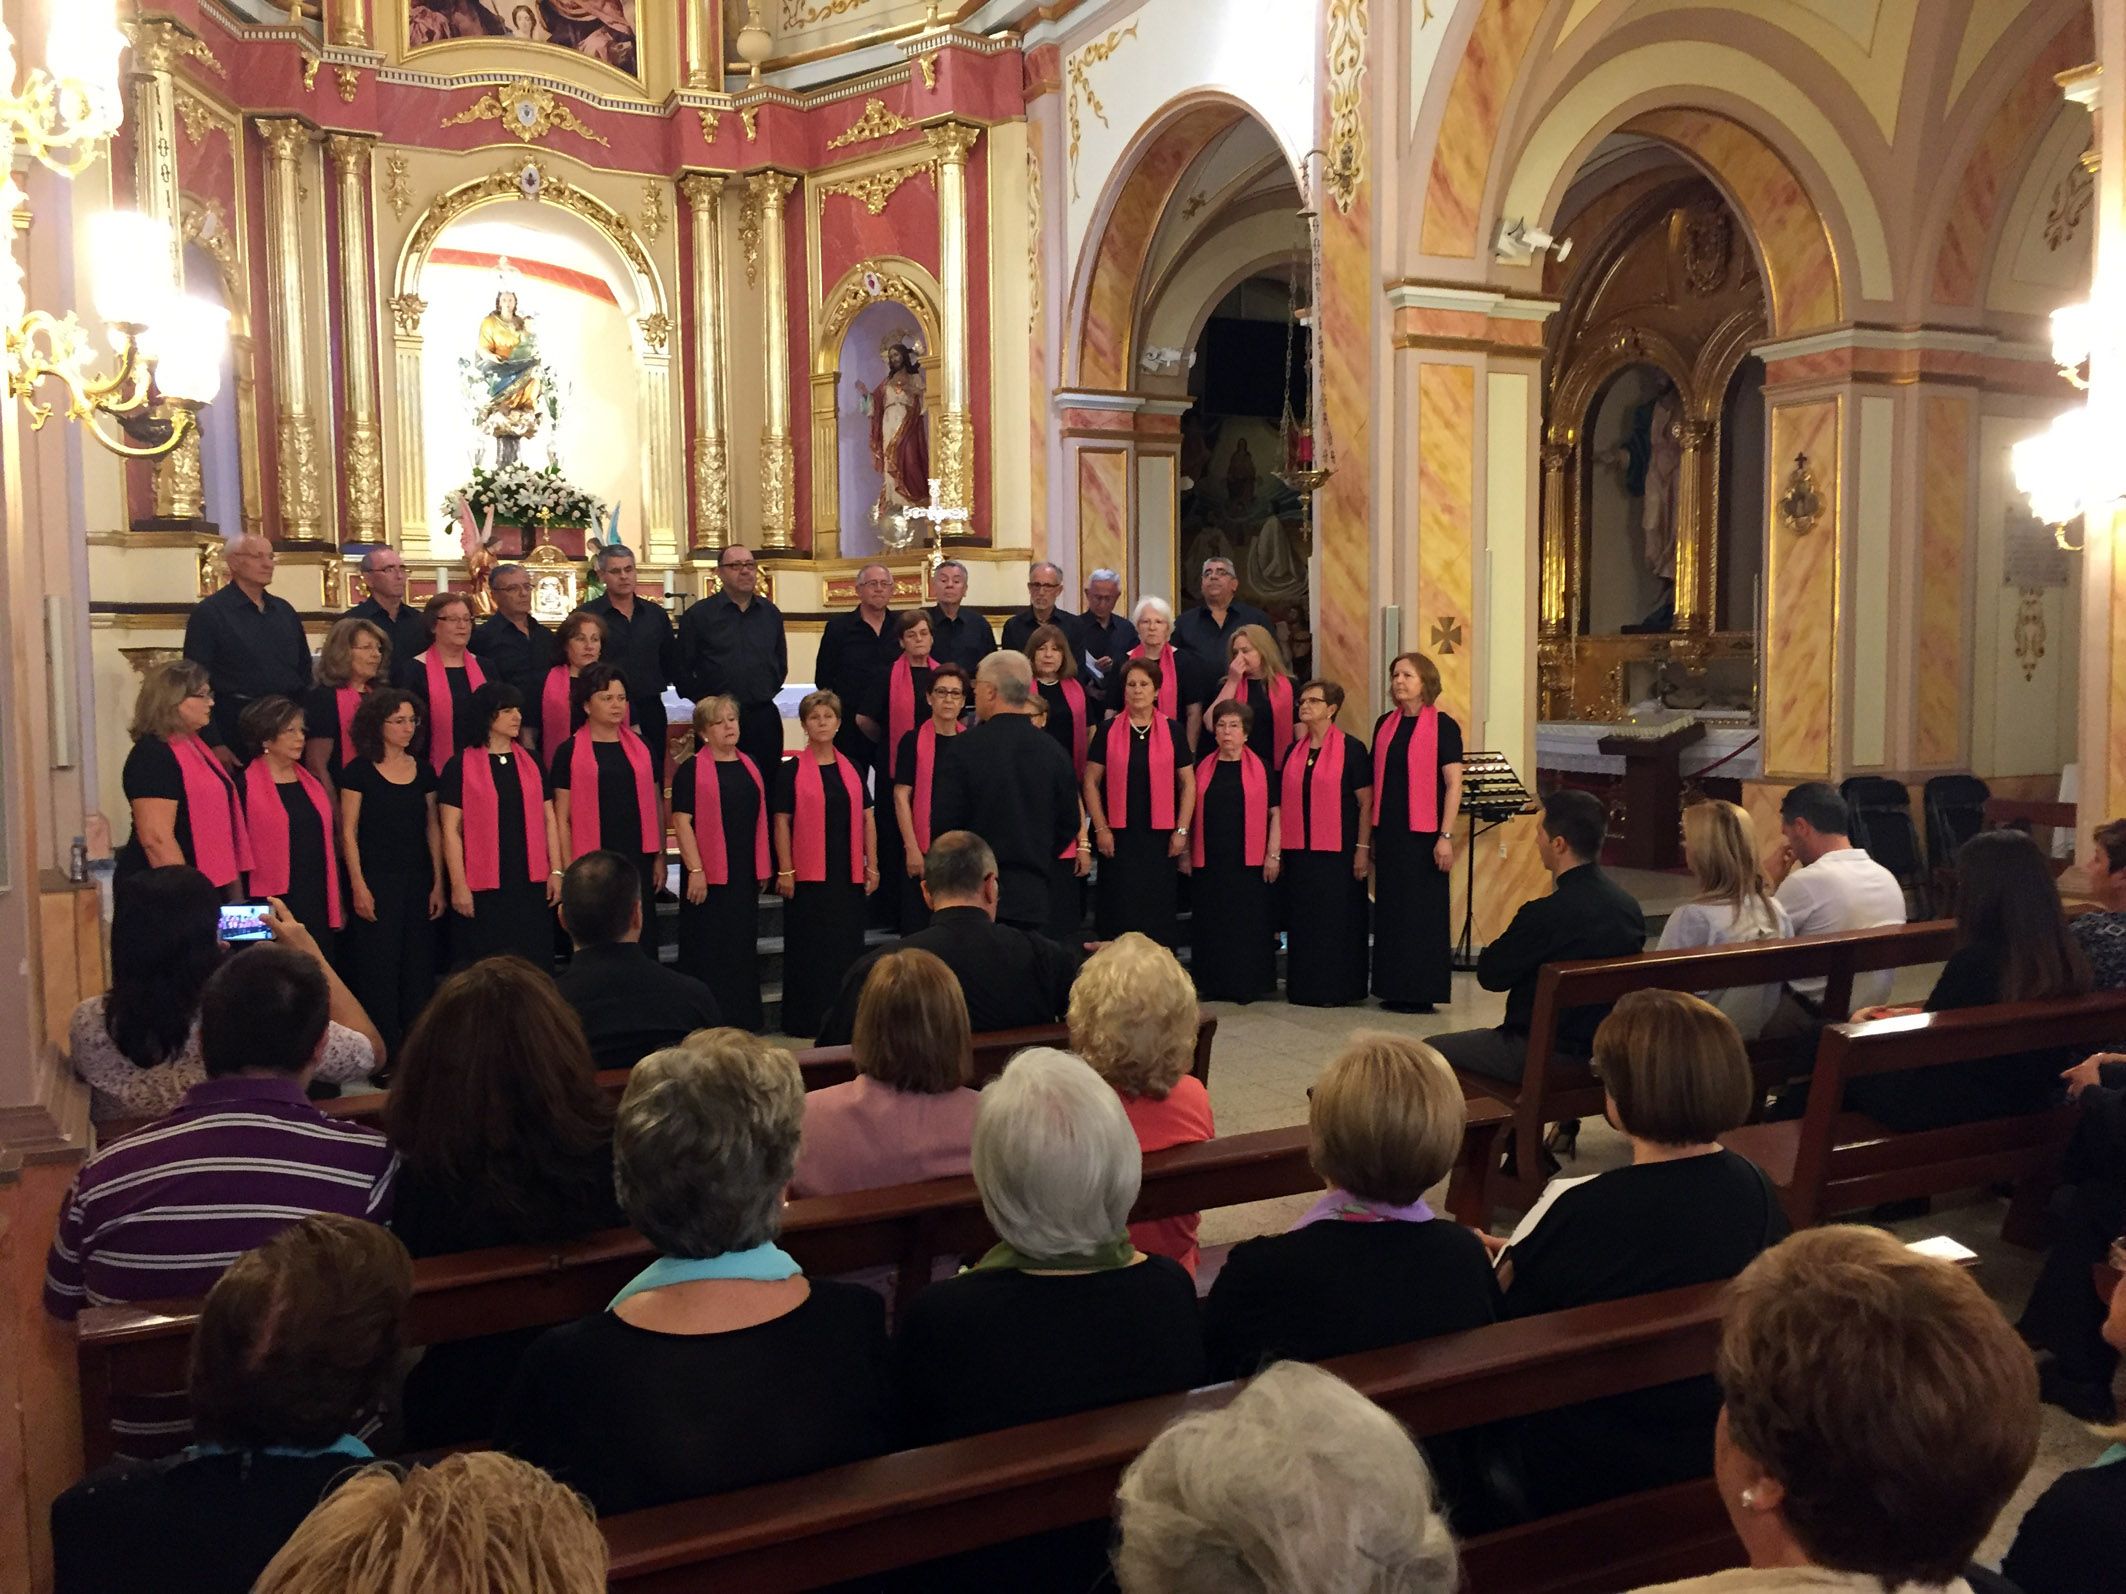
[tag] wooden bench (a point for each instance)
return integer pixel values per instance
(2026, 815)
(1831, 1160)
(127, 1350)
(1557, 1085)
(904, 1509)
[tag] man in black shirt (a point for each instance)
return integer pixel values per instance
(855, 652)
(1044, 584)
(250, 643)
(511, 645)
(1012, 978)
(733, 645)
(1205, 629)
(957, 636)
(1586, 915)
(630, 1005)
(639, 638)
(384, 574)
(1104, 639)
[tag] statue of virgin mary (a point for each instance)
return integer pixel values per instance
(508, 378)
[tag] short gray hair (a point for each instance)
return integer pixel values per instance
(1103, 574)
(1054, 1157)
(1217, 559)
(1151, 605)
(609, 551)
(1011, 673)
(957, 864)
(704, 1141)
(950, 564)
(1045, 564)
(1299, 1482)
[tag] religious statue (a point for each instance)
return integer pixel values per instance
(900, 448)
(1240, 479)
(1652, 458)
(508, 379)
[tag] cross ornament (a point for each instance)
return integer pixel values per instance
(937, 517)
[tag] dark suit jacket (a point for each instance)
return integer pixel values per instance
(631, 1006)
(1010, 784)
(1586, 915)
(1012, 978)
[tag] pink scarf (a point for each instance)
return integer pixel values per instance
(583, 827)
(1254, 803)
(900, 703)
(708, 823)
(221, 845)
(1074, 698)
(267, 821)
(442, 712)
(482, 826)
(1326, 833)
(808, 826)
(926, 754)
(1160, 748)
(1169, 679)
(1278, 692)
(553, 713)
(346, 700)
(1423, 767)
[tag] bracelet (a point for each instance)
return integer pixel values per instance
(786, 874)
(557, 875)
(1180, 830)
(1365, 846)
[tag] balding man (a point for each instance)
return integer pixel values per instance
(855, 652)
(1205, 629)
(1044, 585)
(1010, 784)
(250, 643)
(384, 574)
(733, 645)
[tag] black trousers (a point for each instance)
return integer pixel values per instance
(760, 737)
(390, 964)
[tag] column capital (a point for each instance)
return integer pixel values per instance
(701, 190)
(285, 136)
(952, 140)
(158, 44)
(769, 189)
(350, 151)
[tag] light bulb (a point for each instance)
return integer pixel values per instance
(2066, 470)
(129, 266)
(2074, 329)
(190, 345)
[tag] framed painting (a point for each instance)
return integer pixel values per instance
(599, 30)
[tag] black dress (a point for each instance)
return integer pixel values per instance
(152, 770)
(719, 937)
(1412, 951)
(823, 922)
(1139, 885)
(914, 911)
(888, 909)
(321, 722)
(1262, 725)
(390, 963)
(1326, 955)
(1230, 924)
(512, 919)
(308, 894)
(619, 820)
(2073, 1540)
(463, 733)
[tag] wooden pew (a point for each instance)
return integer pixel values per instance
(1830, 1160)
(1555, 1085)
(2026, 815)
(903, 1509)
(122, 1350)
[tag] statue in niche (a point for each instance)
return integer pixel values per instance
(507, 379)
(1652, 460)
(900, 447)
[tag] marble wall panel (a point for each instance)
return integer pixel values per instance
(1103, 508)
(1941, 662)
(1445, 625)
(1801, 648)
(1476, 109)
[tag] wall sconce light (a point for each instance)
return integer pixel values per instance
(2074, 336)
(2068, 470)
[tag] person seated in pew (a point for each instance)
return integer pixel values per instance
(908, 1115)
(1734, 905)
(630, 1005)
(294, 1354)
(2064, 1320)
(1825, 883)
(2101, 934)
(1877, 1414)
(1299, 1485)
(504, 1138)
(1133, 1018)
(471, 1524)
(720, 1365)
(1683, 1211)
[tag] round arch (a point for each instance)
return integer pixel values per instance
(883, 279)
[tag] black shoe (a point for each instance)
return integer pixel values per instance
(1407, 1007)
(2091, 1402)
(1510, 1163)
(1564, 1138)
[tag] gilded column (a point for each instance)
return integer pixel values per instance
(698, 46)
(407, 432)
(156, 48)
(363, 438)
(347, 22)
(778, 523)
(1693, 529)
(1556, 586)
(302, 510)
(955, 441)
(709, 466)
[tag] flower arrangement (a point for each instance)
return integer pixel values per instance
(520, 495)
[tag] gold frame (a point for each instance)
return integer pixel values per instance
(395, 49)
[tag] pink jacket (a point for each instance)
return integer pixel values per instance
(863, 1135)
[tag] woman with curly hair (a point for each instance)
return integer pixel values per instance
(393, 843)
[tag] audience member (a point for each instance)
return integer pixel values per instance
(501, 847)
(392, 841)
(720, 817)
(183, 803)
(1826, 883)
(604, 781)
(2064, 1319)
(734, 645)
(1683, 1211)
(288, 815)
(1133, 1019)
(294, 1353)
(2102, 934)
(1140, 792)
(1734, 905)
(1206, 629)
(137, 1045)
(826, 862)
(2073, 1540)
(1298, 1485)
(471, 1524)
(249, 642)
(384, 573)
(1234, 858)
(1877, 1416)
(1417, 794)
(356, 657)
(908, 1114)
(720, 1365)
(629, 1005)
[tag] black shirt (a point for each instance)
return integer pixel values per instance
(321, 722)
(735, 807)
(1206, 638)
(408, 631)
(1013, 787)
(249, 651)
(726, 649)
(520, 658)
(1586, 915)
(152, 770)
(853, 660)
(619, 811)
(463, 732)
(631, 1006)
(999, 1347)
(1298, 828)
(1394, 802)
(833, 811)
(2073, 1540)
(1021, 626)
(509, 810)
(964, 639)
(647, 650)
(632, 1418)
(393, 829)
(1112, 642)
(1012, 978)
(1137, 788)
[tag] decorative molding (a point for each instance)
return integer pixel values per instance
(529, 179)
(205, 223)
(197, 116)
(778, 470)
(2029, 630)
(302, 506)
(711, 123)
(1345, 163)
(654, 215)
(953, 141)
(310, 65)
(286, 137)
(656, 331)
(870, 286)
(2071, 197)
(750, 121)
(1801, 504)
(406, 312)
(398, 185)
(879, 187)
(797, 14)
(712, 493)
(876, 122)
(349, 79)
(1079, 70)
(1033, 239)
(1902, 340)
(749, 235)
(365, 484)
(1475, 301)
(528, 111)
(700, 189)
(928, 66)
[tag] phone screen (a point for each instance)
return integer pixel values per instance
(243, 922)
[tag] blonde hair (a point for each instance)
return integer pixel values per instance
(162, 691)
(1133, 1016)
(1723, 855)
(911, 1025)
(335, 660)
(819, 699)
(1272, 655)
(709, 710)
(1674, 1065)
(477, 1523)
(1386, 1118)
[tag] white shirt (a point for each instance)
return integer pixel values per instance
(1717, 924)
(1844, 890)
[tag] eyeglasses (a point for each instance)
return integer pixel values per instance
(513, 586)
(403, 719)
(1044, 586)
(736, 564)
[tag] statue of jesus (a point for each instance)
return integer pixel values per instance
(900, 447)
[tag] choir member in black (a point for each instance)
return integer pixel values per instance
(1417, 790)
(185, 806)
(640, 640)
(826, 863)
(899, 702)
(384, 574)
(289, 816)
(1055, 677)
(1104, 640)
(510, 644)
(959, 635)
(393, 844)
(446, 676)
(355, 657)
(720, 812)
(855, 652)
(1185, 681)
(735, 646)
(1233, 859)
(1255, 674)
(249, 642)
(1325, 803)
(578, 644)
(501, 847)
(1044, 585)
(915, 765)
(604, 784)
(1140, 818)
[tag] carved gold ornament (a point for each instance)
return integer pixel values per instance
(871, 286)
(530, 179)
(1801, 505)
(750, 121)
(876, 189)
(711, 121)
(350, 82)
(365, 482)
(1033, 240)
(654, 215)
(1708, 238)
(406, 312)
(928, 66)
(656, 331)
(797, 14)
(398, 185)
(527, 111)
(1079, 69)
(310, 65)
(198, 119)
(1346, 150)
(876, 122)
(2030, 630)
(749, 236)
(712, 491)
(2071, 198)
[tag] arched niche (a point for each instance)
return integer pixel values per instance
(910, 296)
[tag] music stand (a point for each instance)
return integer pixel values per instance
(1491, 794)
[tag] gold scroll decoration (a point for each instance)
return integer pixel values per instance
(879, 187)
(1079, 71)
(876, 122)
(1346, 163)
(527, 111)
